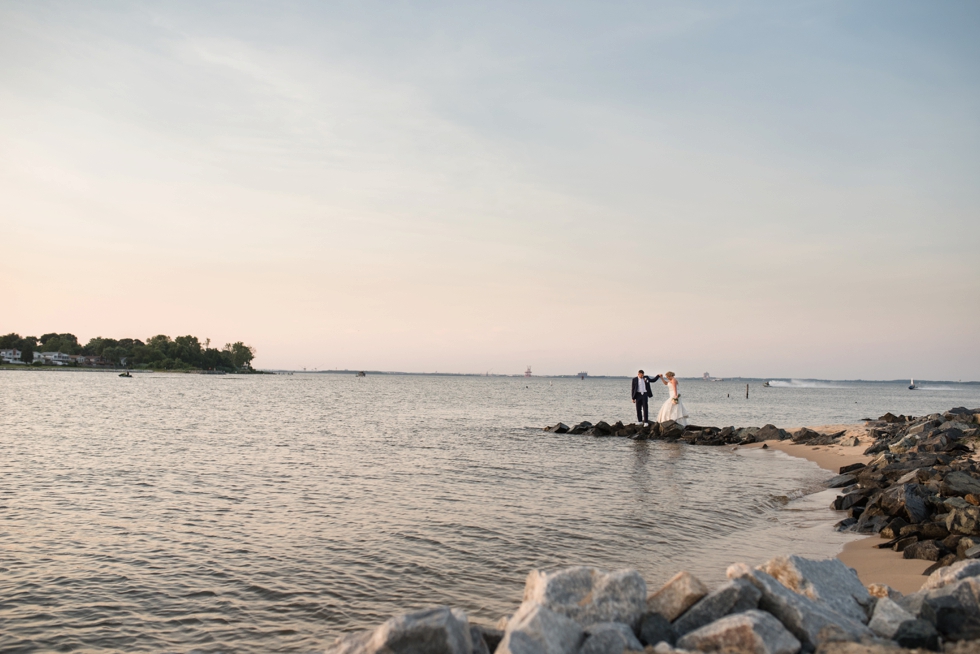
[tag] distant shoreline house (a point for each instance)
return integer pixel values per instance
(55, 358)
(10, 356)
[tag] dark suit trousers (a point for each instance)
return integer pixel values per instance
(642, 409)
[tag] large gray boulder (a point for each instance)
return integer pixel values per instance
(888, 617)
(826, 581)
(734, 597)
(951, 574)
(535, 629)
(960, 484)
(437, 630)
(610, 638)
(753, 631)
(589, 596)
(811, 622)
(954, 609)
(677, 595)
(905, 501)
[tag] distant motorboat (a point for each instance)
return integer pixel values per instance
(765, 384)
(125, 374)
(361, 373)
(911, 384)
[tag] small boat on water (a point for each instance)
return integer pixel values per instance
(765, 384)
(911, 384)
(125, 374)
(361, 373)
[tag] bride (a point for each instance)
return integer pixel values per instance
(673, 408)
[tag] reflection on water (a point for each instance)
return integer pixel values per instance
(170, 512)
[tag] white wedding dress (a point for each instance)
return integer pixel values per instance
(671, 411)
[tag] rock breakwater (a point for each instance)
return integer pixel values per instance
(921, 492)
(785, 606)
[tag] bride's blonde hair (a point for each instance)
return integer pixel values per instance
(669, 375)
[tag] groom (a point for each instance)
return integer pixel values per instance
(640, 393)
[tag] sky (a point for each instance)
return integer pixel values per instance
(781, 189)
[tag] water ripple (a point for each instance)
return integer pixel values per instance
(180, 512)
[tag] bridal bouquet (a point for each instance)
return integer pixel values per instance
(677, 399)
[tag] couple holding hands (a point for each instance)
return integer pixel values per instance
(672, 409)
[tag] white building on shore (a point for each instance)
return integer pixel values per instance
(10, 356)
(56, 358)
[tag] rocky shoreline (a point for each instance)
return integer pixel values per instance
(921, 492)
(788, 605)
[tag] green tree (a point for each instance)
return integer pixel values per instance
(10, 341)
(241, 354)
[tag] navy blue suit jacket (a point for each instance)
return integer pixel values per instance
(635, 393)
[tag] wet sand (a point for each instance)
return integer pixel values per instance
(874, 566)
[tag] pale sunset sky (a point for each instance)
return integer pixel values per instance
(747, 188)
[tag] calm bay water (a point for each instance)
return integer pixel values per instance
(225, 513)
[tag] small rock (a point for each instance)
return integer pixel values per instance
(588, 595)
(893, 528)
(943, 562)
(655, 628)
(610, 638)
(965, 522)
(927, 550)
(560, 428)
(677, 595)
(734, 597)
(883, 590)
(851, 468)
(535, 629)
(841, 480)
(888, 617)
(754, 631)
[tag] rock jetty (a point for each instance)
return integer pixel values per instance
(788, 605)
(921, 492)
(671, 431)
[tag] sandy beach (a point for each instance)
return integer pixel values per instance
(873, 565)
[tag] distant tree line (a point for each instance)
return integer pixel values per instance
(157, 353)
